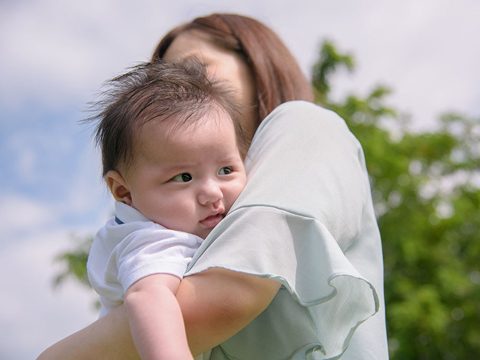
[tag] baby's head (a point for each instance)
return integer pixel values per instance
(172, 146)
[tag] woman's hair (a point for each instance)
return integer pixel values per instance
(178, 93)
(278, 77)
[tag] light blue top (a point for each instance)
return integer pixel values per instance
(305, 219)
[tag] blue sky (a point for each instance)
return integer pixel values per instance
(55, 55)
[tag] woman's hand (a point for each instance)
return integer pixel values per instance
(216, 304)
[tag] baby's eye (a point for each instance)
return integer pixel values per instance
(225, 170)
(184, 177)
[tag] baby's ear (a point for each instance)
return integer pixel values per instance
(118, 187)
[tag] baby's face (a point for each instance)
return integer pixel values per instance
(187, 179)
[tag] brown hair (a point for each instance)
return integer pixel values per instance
(278, 77)
(174, 91)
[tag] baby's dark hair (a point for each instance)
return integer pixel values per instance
(162, 90)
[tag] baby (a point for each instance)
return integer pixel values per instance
(172, 154)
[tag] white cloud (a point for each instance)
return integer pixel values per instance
(425, 50)
(33, 147)
(55, 52)
(26, 165)
(34, 316)
(20, 215)
(88, 190)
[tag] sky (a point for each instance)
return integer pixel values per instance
(55, 55)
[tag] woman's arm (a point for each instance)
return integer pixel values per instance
(107, 338)
(216, 304)
(226, 302)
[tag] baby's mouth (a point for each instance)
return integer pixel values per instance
(212, 220)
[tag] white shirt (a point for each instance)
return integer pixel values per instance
(130, 247)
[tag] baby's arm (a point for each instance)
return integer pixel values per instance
(155, 318)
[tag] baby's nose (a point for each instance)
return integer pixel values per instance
(210, 193)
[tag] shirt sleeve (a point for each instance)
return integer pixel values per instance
(306, 203)
(153, 251)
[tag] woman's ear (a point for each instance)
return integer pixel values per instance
(118, 187)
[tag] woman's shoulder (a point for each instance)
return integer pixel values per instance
(299, 105)
(304, 120)
(304, 107)
(300, 114)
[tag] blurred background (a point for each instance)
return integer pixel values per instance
(404, 75)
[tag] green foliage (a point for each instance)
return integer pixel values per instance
(328, 63)
(75, 262)
(427, 201)
(425, 188)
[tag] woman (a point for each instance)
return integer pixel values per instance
(295, 270)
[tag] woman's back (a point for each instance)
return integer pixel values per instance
(305, 219)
